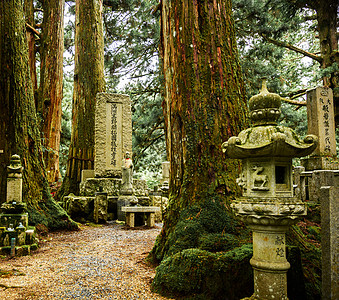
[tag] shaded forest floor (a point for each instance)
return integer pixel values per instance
(106, 262)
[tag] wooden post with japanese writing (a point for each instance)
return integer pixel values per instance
(320, 119)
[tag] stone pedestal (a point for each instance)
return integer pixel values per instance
(100, 207)
(269, 262)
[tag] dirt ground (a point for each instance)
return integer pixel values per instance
(106, 262)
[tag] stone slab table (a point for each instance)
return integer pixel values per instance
(149, 211)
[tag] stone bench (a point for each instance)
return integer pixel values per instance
(132, 210)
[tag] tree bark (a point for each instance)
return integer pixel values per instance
(29, 14)
(50, 90)
(327, 17)
(19, 132)
(88, 81)
(204, 105)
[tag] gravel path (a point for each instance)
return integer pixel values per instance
(95, 263)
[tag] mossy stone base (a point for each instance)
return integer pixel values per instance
(19, 251)
(15, 219)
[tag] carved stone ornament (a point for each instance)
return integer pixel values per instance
(260, 181)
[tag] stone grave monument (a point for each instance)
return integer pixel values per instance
(320, 119)
(113, 138)
(267, 204)
(15, 236)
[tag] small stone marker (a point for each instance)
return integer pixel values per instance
(165, 171)
(86, 173)
(113, 133)
(100, 207)
(320, 119)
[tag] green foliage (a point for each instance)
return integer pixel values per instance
(216, 242)
(132, 63)
(287, 70)
(199, 274)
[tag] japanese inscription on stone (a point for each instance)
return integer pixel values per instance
(280, 244)
(320, 117)
(113, 133)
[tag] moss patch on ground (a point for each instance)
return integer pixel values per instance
(205, 275)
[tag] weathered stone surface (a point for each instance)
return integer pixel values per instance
(165, 171)
(14, 219)
(267, 204)
(321, 178)
(140, 209)
(111, 186)
(113, 133)
(162, 203)
(85, 174)
(79, 208)
(329, 241)
(100, 208)
(125, 200)
(297, 187)
(14, 180)
(148, 211)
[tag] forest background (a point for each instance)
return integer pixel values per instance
(276, 39)
(132, 66)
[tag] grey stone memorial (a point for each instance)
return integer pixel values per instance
(320, 120)
(330, 241)
(113, 133)
(165, 172)
(113, 139)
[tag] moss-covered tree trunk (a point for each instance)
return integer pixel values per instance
(327, 17)
(204, 102)
(204, 105)
(29, 14)
(88, 81)
(19, 132)
(50, 90)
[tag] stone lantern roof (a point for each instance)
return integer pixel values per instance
(265, 138)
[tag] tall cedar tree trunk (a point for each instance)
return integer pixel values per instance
(327, 17)
(88, 81)
(29, 14)
(50, 91)
(18, 124)
(204, 104)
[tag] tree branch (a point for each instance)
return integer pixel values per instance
(156, 8)
(33, 29)
(294, 102)
(291, 47)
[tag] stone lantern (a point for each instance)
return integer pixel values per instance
(267, 204)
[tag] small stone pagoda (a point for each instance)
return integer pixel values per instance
(15, 236)
(267, 205)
